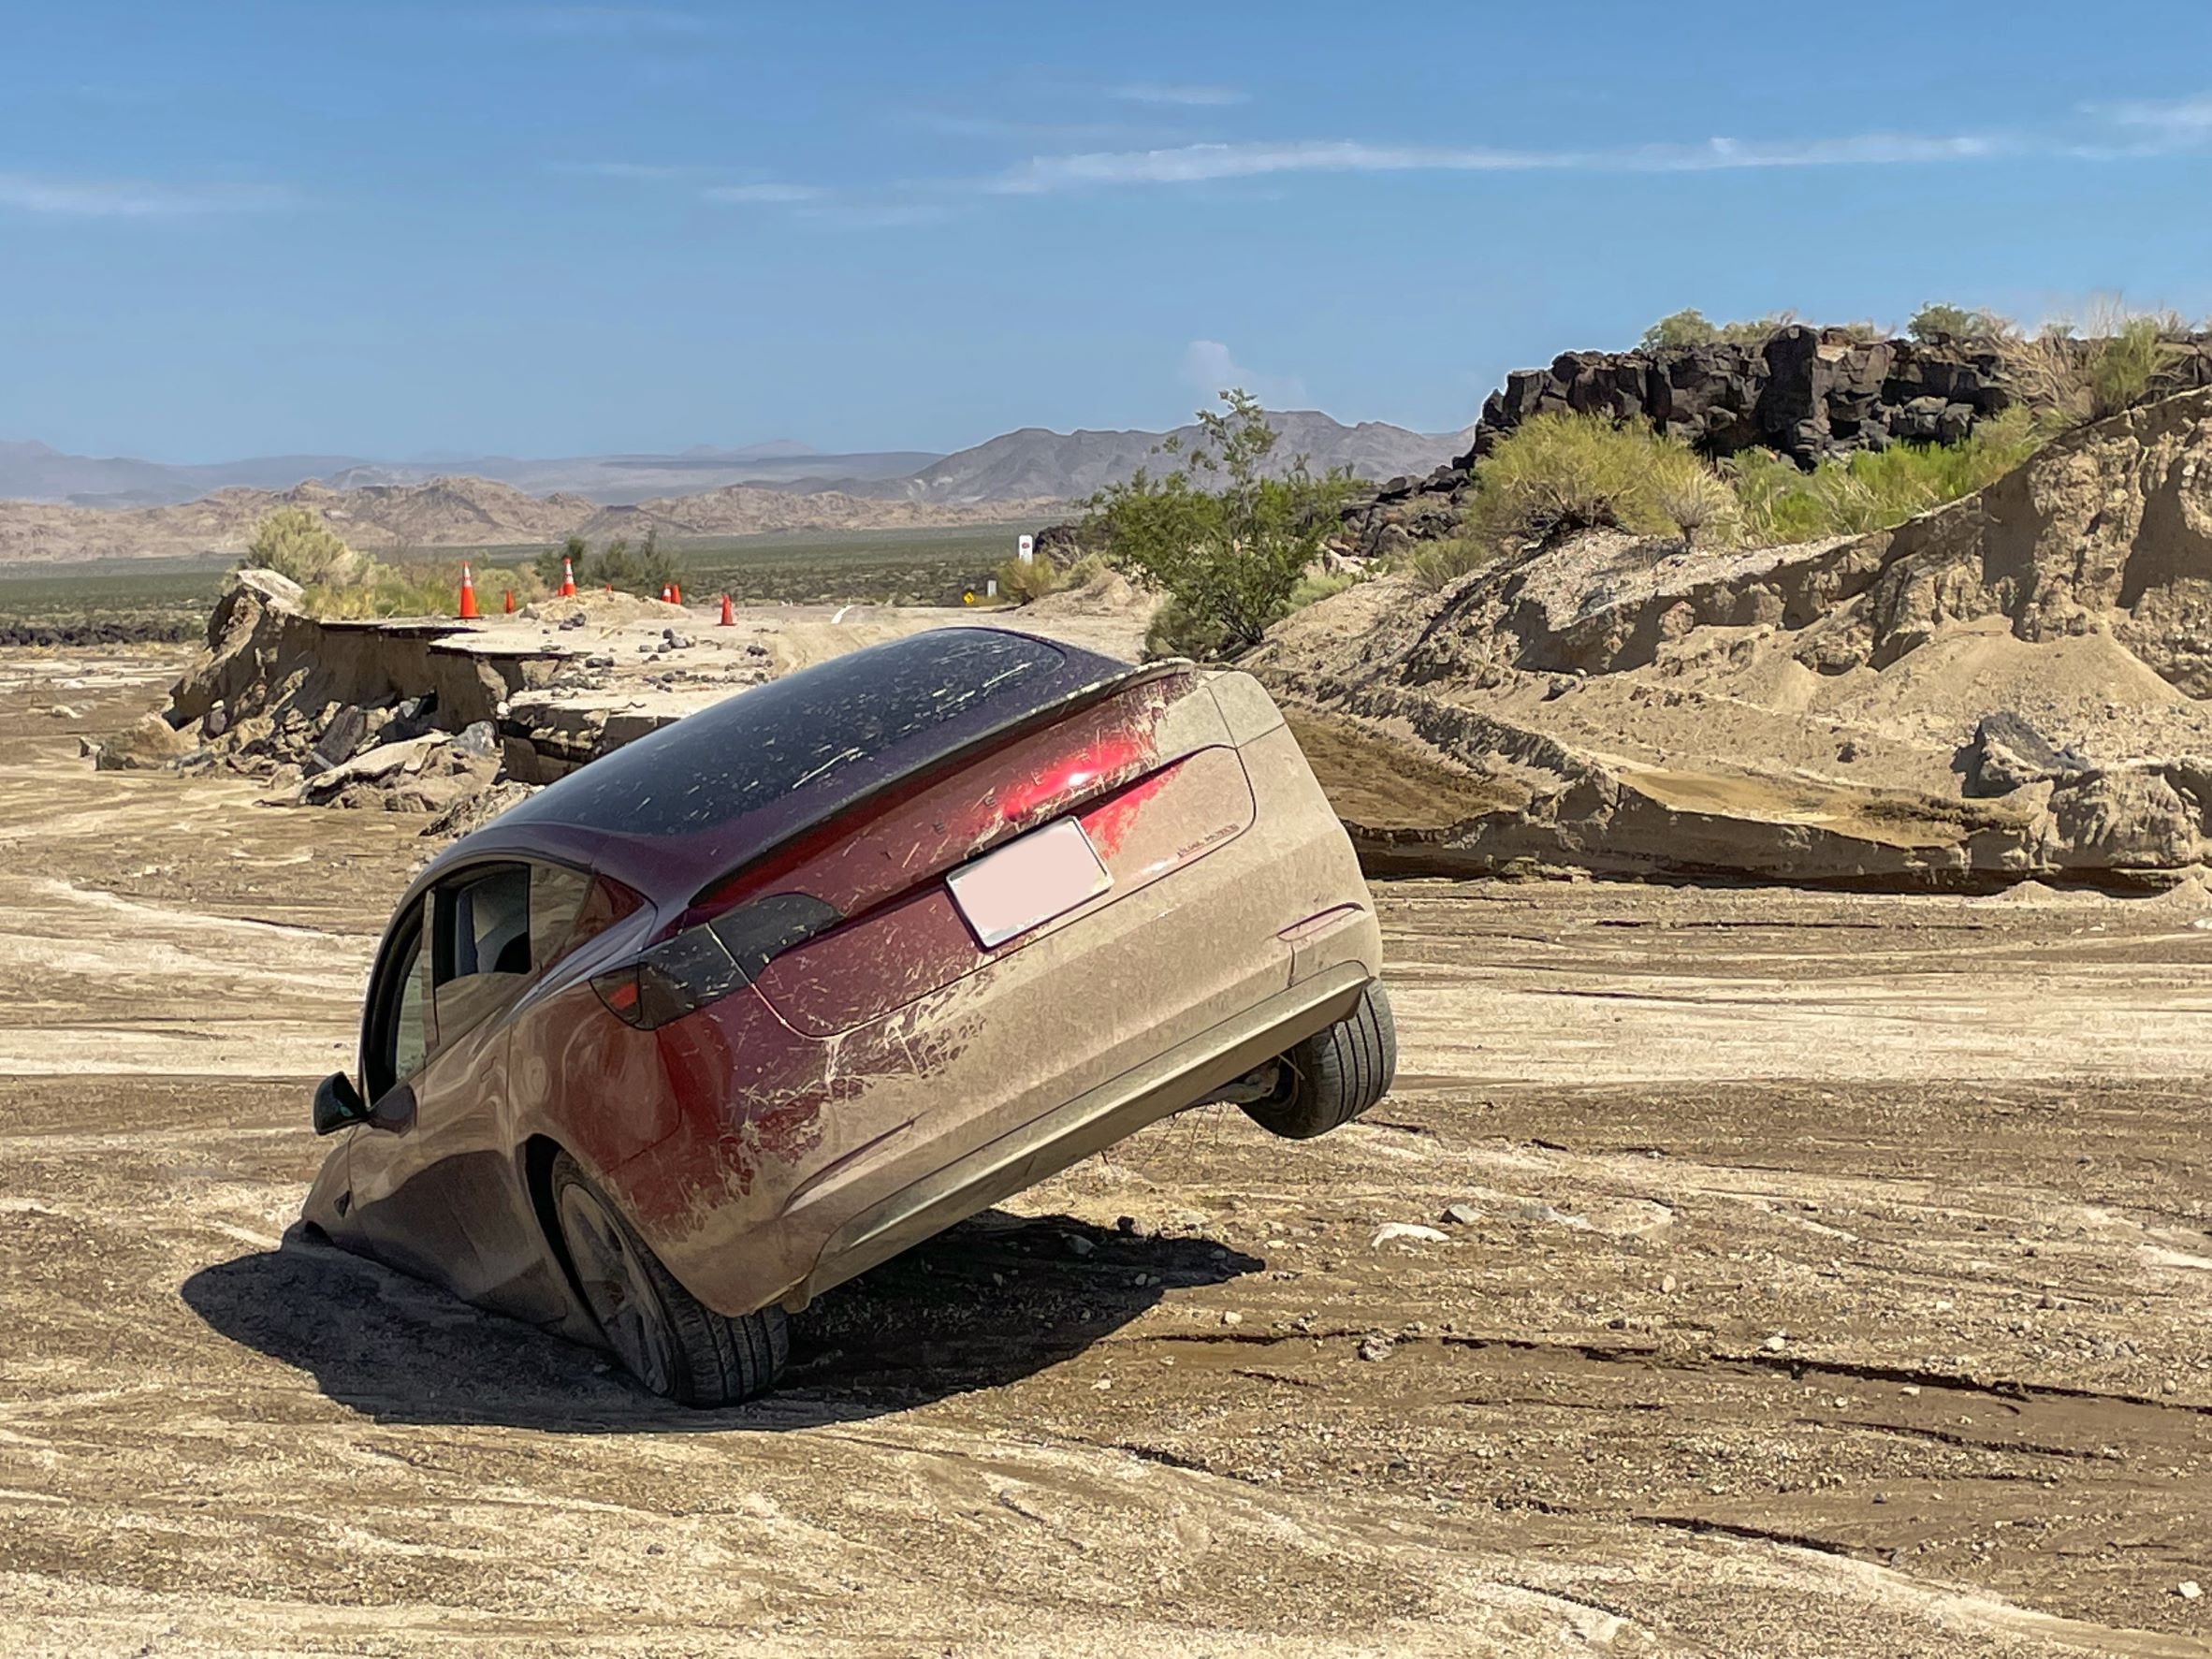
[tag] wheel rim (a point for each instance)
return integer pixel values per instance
(615, 1285)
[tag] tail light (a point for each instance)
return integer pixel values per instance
(705, 963)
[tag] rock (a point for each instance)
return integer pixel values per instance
(148, 742)
(2188, 1590)
(1462, 1215)
(62, 712)
(1775, 1344)
(1376, 1347)
(1405, 1231)
(216, 720)
(477, 738)
(1077, 1244)
(2007, 753)
(1232, 1318)
(372, 767)
(677, 642)
(343, 736)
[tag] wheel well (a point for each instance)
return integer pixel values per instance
(538, 1153)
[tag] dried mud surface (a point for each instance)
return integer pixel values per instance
(1836, 1281)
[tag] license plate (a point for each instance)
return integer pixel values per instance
(1027, 883)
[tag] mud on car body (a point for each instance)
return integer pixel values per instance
(753, 1003)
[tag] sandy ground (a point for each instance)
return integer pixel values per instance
(1836, 1282)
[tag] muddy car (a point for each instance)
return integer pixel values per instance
(748, 1005)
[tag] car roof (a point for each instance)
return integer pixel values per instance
(697, 799)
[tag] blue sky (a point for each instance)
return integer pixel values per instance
(400, 229)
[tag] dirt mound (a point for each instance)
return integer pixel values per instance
(1820, 711)
(1107, 594)
(595, 607)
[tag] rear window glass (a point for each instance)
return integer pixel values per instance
(807, 729)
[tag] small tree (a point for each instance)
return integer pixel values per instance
(1228, 558)
(1682, 327)
(295, 542)
(1937, 321)
(547, 564)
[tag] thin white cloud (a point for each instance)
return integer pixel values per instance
(763, 193)
(1209, 368)
(125, 198)
(2186, 117)
(1190, 164)
(1195, 98)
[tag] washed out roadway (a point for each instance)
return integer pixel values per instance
(1837, 1281)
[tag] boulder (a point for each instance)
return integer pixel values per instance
(2008, 753)
(149, 742)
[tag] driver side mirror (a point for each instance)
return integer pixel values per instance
(338, 1104)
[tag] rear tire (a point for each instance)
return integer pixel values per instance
(1334, 1075)
(672, 1343)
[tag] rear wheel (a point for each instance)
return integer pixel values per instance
(1334, 1075)
(670, 1341)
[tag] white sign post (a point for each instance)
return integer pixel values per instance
(1026, 548)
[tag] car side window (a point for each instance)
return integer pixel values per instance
(480, 944)
(398, 1019)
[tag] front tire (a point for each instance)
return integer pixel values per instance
(667, 1339)
(1334, 1075)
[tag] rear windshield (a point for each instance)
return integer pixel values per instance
(833, 729)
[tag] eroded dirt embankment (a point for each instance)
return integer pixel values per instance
(2008, 687)
(1830, 1279)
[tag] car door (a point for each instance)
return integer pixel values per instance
(445, 1198)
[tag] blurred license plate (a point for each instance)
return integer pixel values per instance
(1027, 883)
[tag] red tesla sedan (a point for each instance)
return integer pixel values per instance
(738, 1010)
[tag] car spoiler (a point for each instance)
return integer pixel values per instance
(650, 815)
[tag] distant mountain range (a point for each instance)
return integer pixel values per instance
(1025, 466)
(408, 519)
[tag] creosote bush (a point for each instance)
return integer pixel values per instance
(1226, 537)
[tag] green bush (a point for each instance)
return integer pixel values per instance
(295, 542)
(1025, 582)
(1873, 489)
(1557, 474)
(1682, 327)
(644, 570)
(1312, 590)
(1173, 631)
(1439, 563)
(2120, 359)
(1227, 557)
(1938, 321)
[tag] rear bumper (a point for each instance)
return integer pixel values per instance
(1168, 1084)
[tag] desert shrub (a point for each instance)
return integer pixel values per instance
(1682, 327)
(1757, 330)
(548, 565)
(1873, 489)
(1938, 321)
(1557, 474)
(1227, 557)
(1025, 583)
(295, 542)
(1439, 563)
(1173, 631)
(2118, 359)
(1692, 496)
(1312, 589)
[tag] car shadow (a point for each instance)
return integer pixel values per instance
(984, 1303)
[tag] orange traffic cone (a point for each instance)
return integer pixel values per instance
(510, 604)
(468, 597)
(568, 578)
(667, 597)
(729, 617)
(675, 591)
